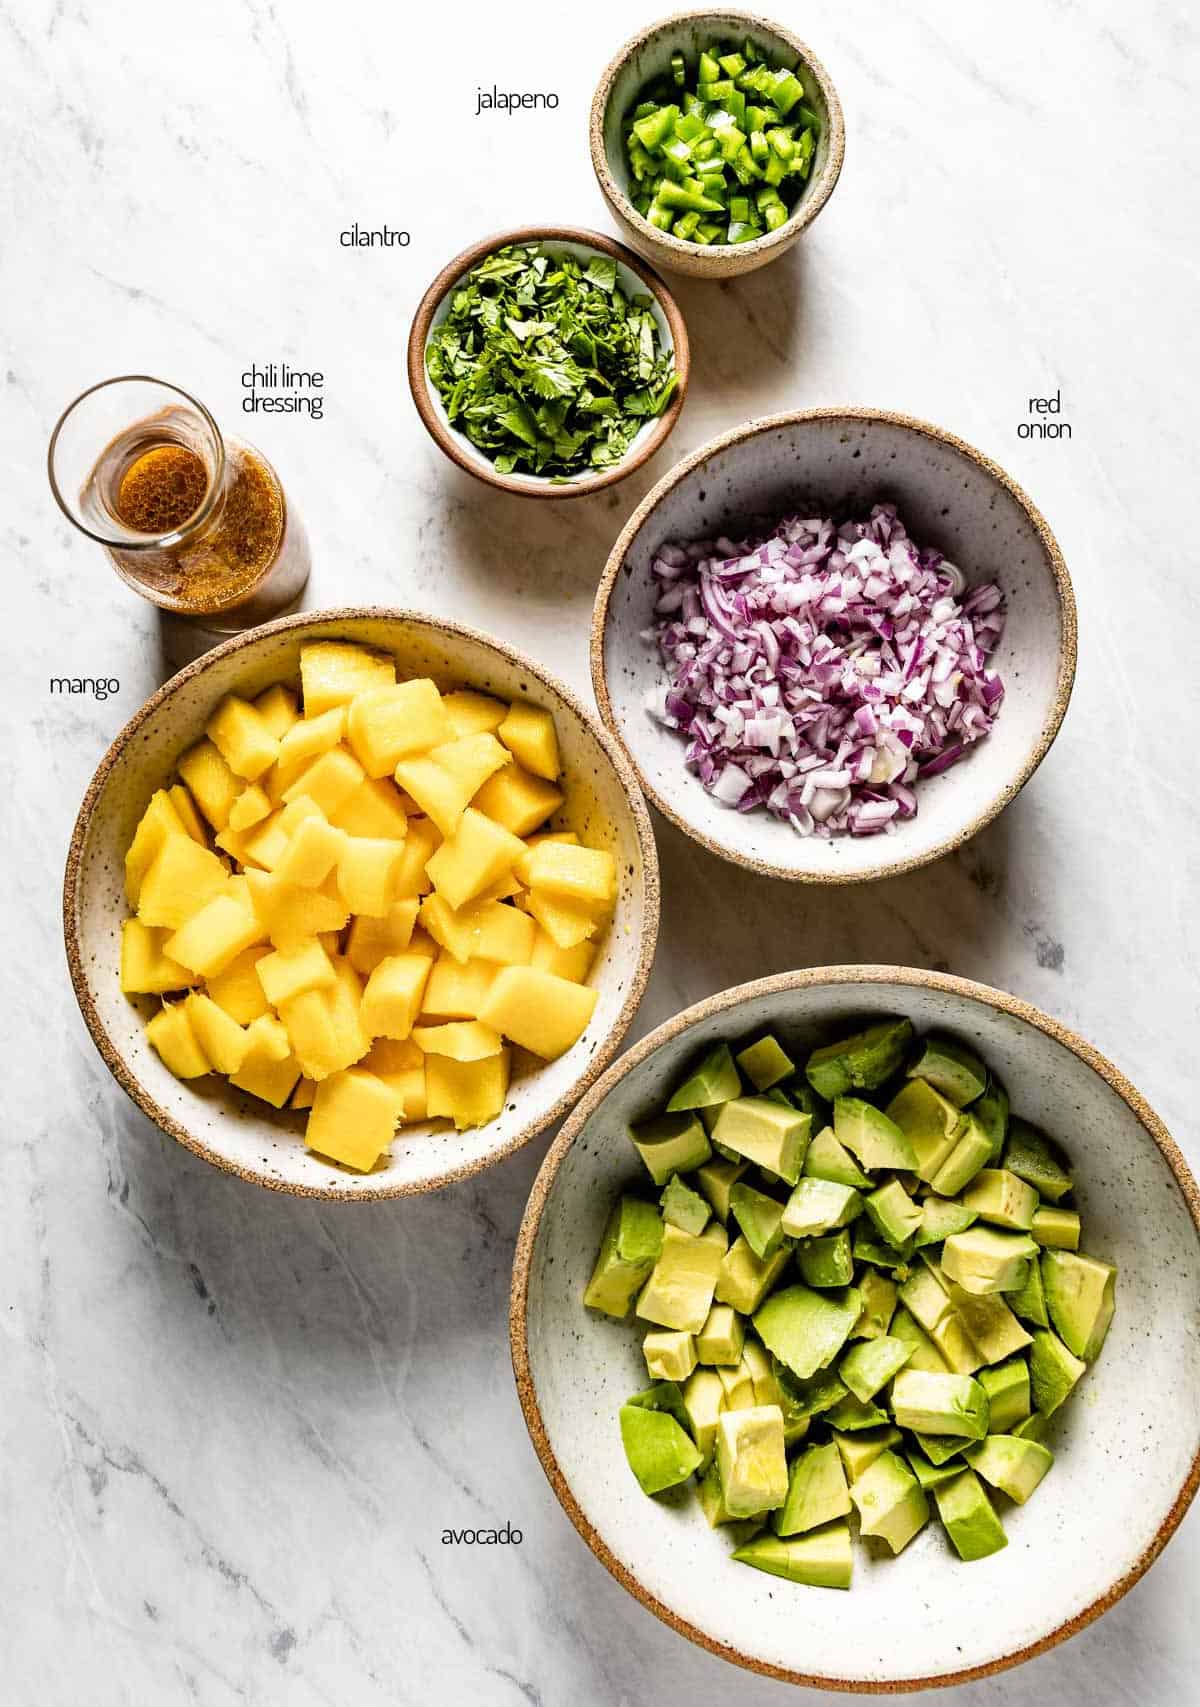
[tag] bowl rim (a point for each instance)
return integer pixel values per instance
(817, 192)
(1067, 645)
(334, 617)
(532, 486)
(904, 977)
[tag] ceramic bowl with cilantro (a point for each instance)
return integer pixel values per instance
(548, 361)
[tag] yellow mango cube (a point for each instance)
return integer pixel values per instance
(306, 740)
(313, 849)
(374, 809)
(438, 792)
(211, 783)
(537, 1010)
(290, 914)
(213, 938)
(170, 1033)
(372, 940)
(460, 1040)
(392, 999)
(283, 974)
(304, 1093)
(470, 1093)
(329, 781)
(528, 733)
(532, 843)
(571, 963)
(251, 807)
(279, 709)
(353, 1118)
(518, 801)
(401, 1065)
(474, 713)
(238, 989)
(420, 844)
(333, 672)
(483, 930)
(420, 943)
(182, 877)
(457, 992)
(503, 889)
(264, 845)
(323, 1031)
(243, 738)
(221, 1038)
(146, 969)
(476, 855)
(472, 759)
(583, 877)
(368, 874)
(191, 820)
(160, 820)
(566, 924)
(388, 724)
(269, 1070)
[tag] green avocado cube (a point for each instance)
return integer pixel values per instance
(712, 1498)
(1007, 1387)
(702, 1397)
(1034, 1427)
(925, 1354)
(1033, 1157)
(969, 1517)
(1013, 1465)
(1080, 1296)
(670, 1355)
(816, 1395)
(760, 1365)
(821, 1559)
(679, 1292)
(751, 1460)
(940, 1448)
(860, 1062)
(830, 1160)
(939, 1404)
(879, 1294)
(826, 1261)
(759, 1217)
(765, 1063)
(819, 1206)
(721, 1338)
(1029, 1302)
(671, 1144)
(769, 1133)
(862, 1448)
(738, 1386)
(684, 1208)
(628, 1251)
(930, 1475)
(1054, 1371)
(744, 1279)
(965, 1160)
(957, 1348)
(991, 1113)
(990, 1324)
(817, 1492)
(867, 1132)
(870, 1365)
(661, 1454)
(894, 1214)
(1001, 1198)
(951, 1068)
(1056, 1227)
(940, 1217)
(881, 1255)
(850, 1415)
(717, 1179)
(930, 1122)
(891, 1502)
(714, 1080)
(985, 1260)
(924, 1295)
(805, 1329)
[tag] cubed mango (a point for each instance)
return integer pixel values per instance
(333, 672)
(528, 733)
(353, 1118)
(543, 1013)
(391, 723)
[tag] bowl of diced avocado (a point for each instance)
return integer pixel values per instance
(716, 138)
(868, 1280)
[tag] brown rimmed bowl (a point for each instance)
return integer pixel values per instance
(1127, 1445)
(239, 1133)
(635, 277)
(841, 461)
(647, 56)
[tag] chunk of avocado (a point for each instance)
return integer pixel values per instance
(1054, 1371)
(717, 1179)
(868, 1133)
(985, 1260)
(751, 1460)
(862, 1061)
(819, 1206)
(1037, 1159)
(721, 1338)
(881, 1255)
(826, 1261)
(670, 1144)
(765, 1063)
(862, 1448)
(940, 1404)
(738, 1387)
(628, 1251)
(820, 1559)
(828, 1159)
(817, 1492)
(815, 1395)
(931, 1123)
(660, 1452)
(991, 1112)
(965, 1160)
(767, 1132)
(958, 1350)
(683, 1207)
(929, 1474)
(1034, 1427)
(870, 1364)
(951, 1068)
(940, 1217)
(879, 1294)
(702, 1397)
(712, 1497)
(670, 1355)
(1002, 1199)
(744, 1279)
(714, 1080)
(941, 1448)
(759, 1218)
(761, 1367)
(805, 1329)
(894, 1214)
(989, 1323)
(1030, 1301)
(1056, 1227)
(851, 1415)
(969, 1517)
(679, 1292)
(925, 1354)
(891, 1502)
(1013, 1465)
(1080, 1296)
(925, 1296)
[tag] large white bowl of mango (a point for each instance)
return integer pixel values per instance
(359, 902)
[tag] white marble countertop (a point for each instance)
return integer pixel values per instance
(234, 1426)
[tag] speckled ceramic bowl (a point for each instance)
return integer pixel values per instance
(648, 56)
(1127, 1446)
(240, 1133)
(844, 460)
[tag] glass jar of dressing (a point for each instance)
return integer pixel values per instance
(196, 522)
